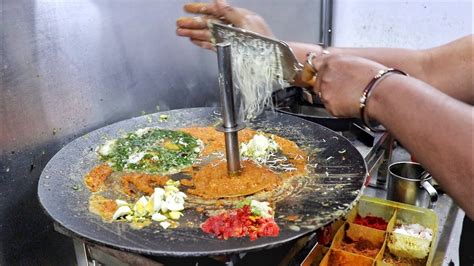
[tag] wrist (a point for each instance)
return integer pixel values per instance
(378, 98)
(368, 94)
(333, 50)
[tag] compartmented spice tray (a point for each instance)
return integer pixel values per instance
(382, 232)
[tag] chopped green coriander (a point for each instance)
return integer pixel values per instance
(151, 150)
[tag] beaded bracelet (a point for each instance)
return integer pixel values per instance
(367, 92)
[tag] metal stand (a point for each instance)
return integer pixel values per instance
(378, 160)
(230, 127)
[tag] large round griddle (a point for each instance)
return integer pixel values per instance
(333, 186)
(291, 101)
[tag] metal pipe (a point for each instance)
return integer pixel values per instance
(325, 36)
(226, 84)
(232, 152)
(230, 126)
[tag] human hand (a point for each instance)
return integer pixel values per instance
(307, 77)
(196, 28)
(340, 81)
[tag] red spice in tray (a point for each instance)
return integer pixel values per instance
(239, 223)
(371, 221)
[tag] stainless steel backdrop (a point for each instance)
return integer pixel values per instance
(67, 67)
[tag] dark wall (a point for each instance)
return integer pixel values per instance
(68, 67)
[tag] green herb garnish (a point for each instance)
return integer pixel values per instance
(153, 150)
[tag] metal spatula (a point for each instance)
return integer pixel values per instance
(290, 65)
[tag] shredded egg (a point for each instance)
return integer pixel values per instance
(165, 204)
(259, 148)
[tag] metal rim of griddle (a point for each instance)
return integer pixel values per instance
(69, 207)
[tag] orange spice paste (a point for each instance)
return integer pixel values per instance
(96, 177)
(135, 183)
(213, 181)
(214, 142)
(102, 206)
(210, 181)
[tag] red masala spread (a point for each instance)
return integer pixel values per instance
(239, 223)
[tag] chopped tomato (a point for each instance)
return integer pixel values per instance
(239, 223)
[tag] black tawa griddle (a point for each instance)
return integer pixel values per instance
(337, 173)
(294, 101)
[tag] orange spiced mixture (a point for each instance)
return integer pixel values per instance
(97, 176)
(139, 183)
(214, 142)
(102, 206)
(139, 163)
(213, 182)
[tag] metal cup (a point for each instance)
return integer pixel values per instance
(410, 183)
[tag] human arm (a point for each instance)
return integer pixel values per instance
(430, 65)
(446, 67)
(435, 128)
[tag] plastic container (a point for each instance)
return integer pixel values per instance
(340, 257)
(354, 238)
(394, 213)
